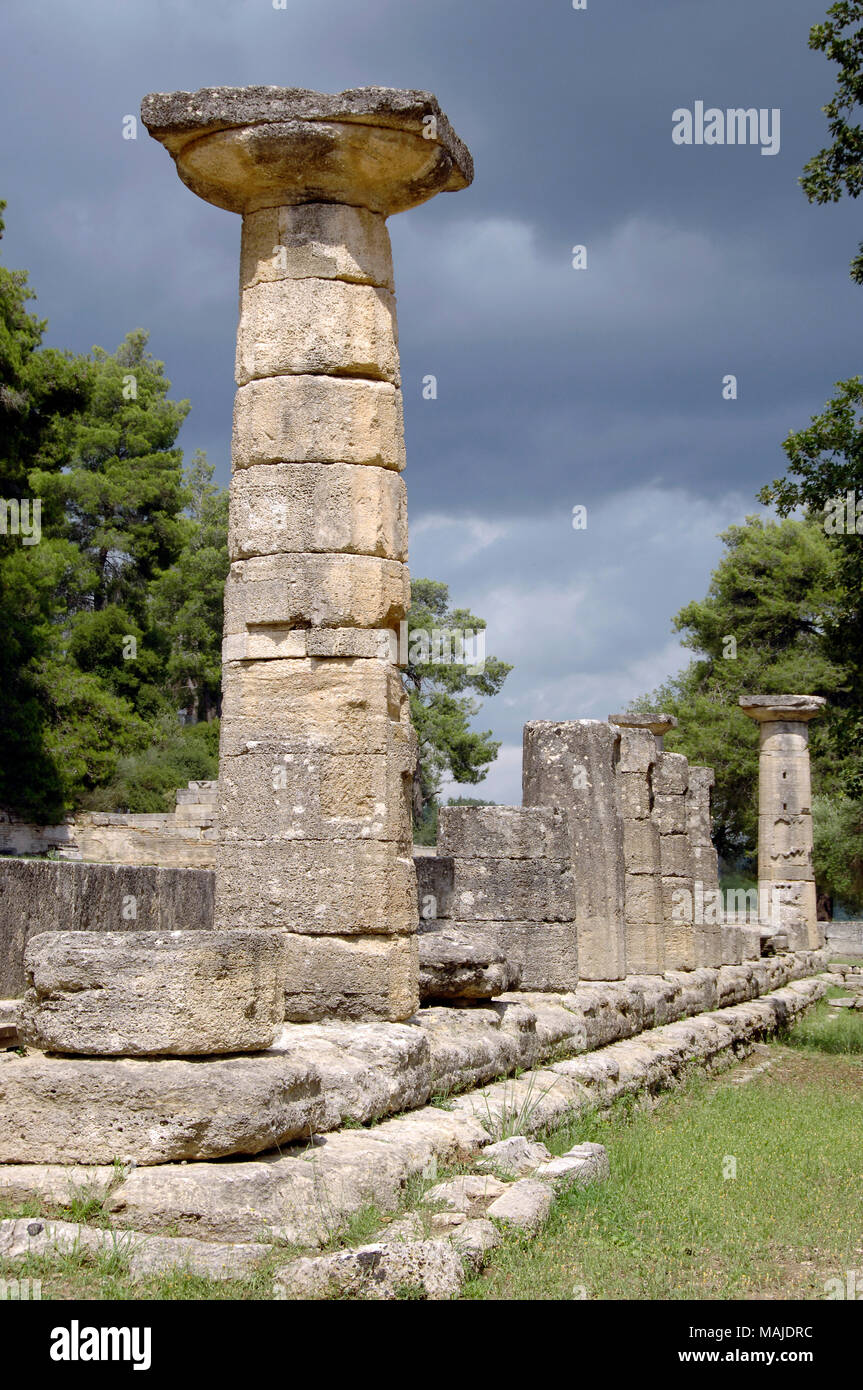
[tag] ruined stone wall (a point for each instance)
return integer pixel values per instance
(608, 869)
(184, 838)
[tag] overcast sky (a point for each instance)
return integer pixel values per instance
(556, 387)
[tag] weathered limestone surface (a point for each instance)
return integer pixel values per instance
(434, 886)
(351, 977)
(94, 1110)
(244, 148)
(320, 888)
(517, 890)
(316, 241)
(463, 965)
(785, 812)
(432, 1268)
(318, 420)
(343, 705)
(308, 327)
(322, 590)
(503, 832)
(154, 993)
(508, 874)
(572, 766)
(367, 1070)
(643, 821)
(91, 1111)
(333, 508)
(290, 792)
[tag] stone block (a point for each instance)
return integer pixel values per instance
(316, 241)
(434, 887)
(708, 947)
(671, 777)
(705, 866)
(545, 953)
(675, 856)
(433, 1269)
(96, 1110)
(503, 832)
(641, 853)
(321, 590)
(318, 419)
(643, 899)
(572, 766)
(327, 508)
(679, 946)
(284, 792)
(524, 1206)
(341, 888)
(351, 977)
(464, 965)
(341, 705)
(317, 327)
(512, 890)
(669, 815)
(645, 948)
(638, 753)
(633, 795)
(731, 941)
(178, 993)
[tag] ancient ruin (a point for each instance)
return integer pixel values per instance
(785, 876)
(253, 1006)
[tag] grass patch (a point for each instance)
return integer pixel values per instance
(673, 1223)
(818, 1032)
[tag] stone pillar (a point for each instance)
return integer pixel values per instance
(641, 738)
(785, 877)
(571, 766)
(317, 751)
(670, 786)
(705, 868)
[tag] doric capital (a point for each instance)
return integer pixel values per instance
(246, 148)
(654, 720)
(787, 709)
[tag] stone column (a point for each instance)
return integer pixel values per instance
(785, 877)
(641, 737)
(317, 750)
(571, 766)
(670, 786)
(705, 868)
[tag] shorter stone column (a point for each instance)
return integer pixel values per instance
(785, 877)
(670, 786)
(571, 766)
(645, 933)
(705, 868)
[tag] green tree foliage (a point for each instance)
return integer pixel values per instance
(442, 700)
(188, 597)
(120, 498)
(147, 781)
(838, 168)
(89, 640)
(761, 629)
(825, 477)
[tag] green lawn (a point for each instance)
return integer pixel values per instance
(671, 1225)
